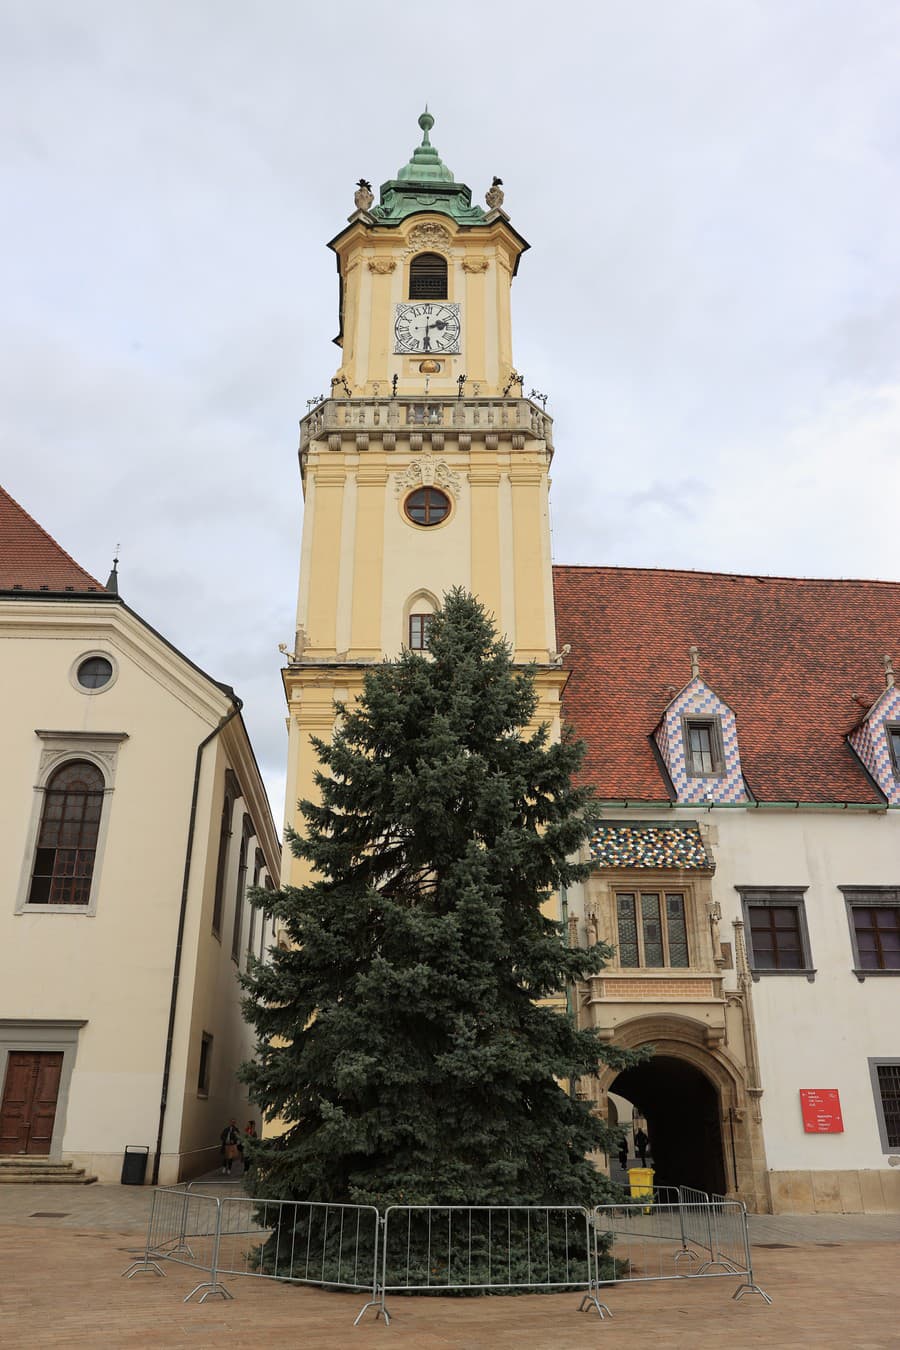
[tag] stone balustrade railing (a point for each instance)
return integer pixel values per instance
(338, 420)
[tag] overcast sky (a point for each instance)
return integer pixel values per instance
(711, 299)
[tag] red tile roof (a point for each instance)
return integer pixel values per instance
(30, 560)
(791, 657)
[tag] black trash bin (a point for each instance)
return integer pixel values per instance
(134, 1164)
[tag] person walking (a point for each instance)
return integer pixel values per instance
(231, 1139)
(623, 1155)
(641, 1144)
(250, 1137)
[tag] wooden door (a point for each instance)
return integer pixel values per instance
(29, 1101)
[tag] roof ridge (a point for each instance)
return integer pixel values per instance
(734, 576)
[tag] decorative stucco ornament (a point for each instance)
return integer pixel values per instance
(426, 471)
(429, 236)
(363, 197)
(494, 194)
(383, 266)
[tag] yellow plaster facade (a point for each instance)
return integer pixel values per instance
(397, 422)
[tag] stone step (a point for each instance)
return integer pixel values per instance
(25, 1170)
(42, 1179)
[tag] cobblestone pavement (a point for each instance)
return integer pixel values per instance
(833, 1279)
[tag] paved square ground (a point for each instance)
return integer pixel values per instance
(834, 1281)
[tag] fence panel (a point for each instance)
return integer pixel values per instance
(639, 1242)
(184, 1228)
(439, 1248)
(303, 1242)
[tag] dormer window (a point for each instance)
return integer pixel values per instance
(428, 277)
(703, 747)
(893, 736)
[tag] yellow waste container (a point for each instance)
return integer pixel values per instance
(640, 1182)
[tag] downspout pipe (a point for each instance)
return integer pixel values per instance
(179, 942)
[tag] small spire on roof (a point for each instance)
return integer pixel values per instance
(694, 654)
(426, 122)
(888, 671)
(112, 581)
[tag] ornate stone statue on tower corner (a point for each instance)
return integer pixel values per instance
(362, 197)
(494, 194)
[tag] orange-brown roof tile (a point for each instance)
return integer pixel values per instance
(31, 560)
(795, 659)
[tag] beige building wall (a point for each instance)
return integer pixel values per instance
(99, 981)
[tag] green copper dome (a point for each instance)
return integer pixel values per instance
(425, 184)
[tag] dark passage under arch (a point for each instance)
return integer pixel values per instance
(681, 1107)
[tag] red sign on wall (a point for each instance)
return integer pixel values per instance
(821, 1109)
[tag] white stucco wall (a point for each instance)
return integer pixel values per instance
(819, 1034)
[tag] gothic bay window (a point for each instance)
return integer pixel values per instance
(874, 916)
(651, 929)
(703, 747)
(419, 624)
(67, 837)
(777, 939)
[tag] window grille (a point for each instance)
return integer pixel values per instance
(428, 277)
(888, 1081)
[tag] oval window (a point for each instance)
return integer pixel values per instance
(94, 672)
(427, 506)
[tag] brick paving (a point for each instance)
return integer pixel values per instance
(62, 1287)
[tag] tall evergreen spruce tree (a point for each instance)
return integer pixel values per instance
(402, 1035)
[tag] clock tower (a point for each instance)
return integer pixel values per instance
(426, 467)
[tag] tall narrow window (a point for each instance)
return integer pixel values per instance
(703, 747)
(67, 838)
(222, 863)
(203, 1074)
(428, 277)
(258, 864)
(419, 624)
(240, 889)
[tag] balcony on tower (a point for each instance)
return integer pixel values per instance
(415, 420)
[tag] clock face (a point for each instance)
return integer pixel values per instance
(427, 326)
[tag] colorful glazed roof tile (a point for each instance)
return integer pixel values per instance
(798, 661)
(650, 844)
(31, 560)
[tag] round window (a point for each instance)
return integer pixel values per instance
(94, 672)
(427, 506)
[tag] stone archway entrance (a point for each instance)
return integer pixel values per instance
(703, 1117)
(683, 1113)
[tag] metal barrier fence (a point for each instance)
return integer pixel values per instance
(184, 1227)
(302, 1242)
(638, 1242)
(444, 1248)
(433, 1249)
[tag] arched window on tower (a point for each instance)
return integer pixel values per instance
(67, 837)
(428, 277)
